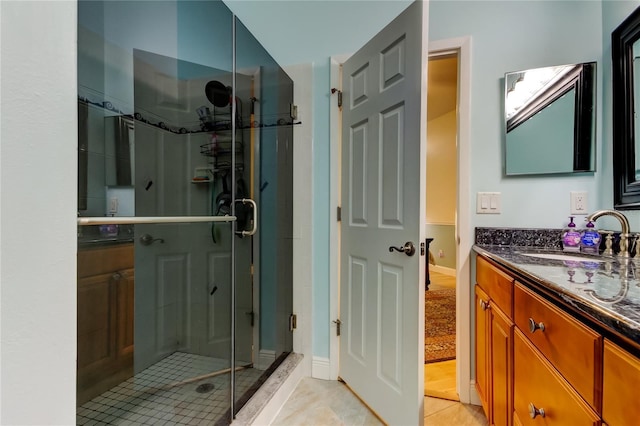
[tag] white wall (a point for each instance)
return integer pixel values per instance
(38, 161)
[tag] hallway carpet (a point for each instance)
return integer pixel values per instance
(440, 325)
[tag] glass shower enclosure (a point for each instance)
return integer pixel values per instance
(185, 143)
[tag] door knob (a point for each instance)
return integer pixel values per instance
(533, 325)
(147, 240)
(408, 248)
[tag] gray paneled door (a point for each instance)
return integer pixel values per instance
(383, 193)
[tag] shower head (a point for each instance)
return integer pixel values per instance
(217, 93)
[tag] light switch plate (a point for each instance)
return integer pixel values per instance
(113, 205)
(489, 203)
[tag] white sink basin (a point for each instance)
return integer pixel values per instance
(558, 256)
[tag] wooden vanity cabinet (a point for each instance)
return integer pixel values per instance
(105, 298)
(533, 356)
(621, 378)
(494, 337)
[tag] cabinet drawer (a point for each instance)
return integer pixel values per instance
(574, 349)
(497, 284)
(620, 384)
(104, 260)
(537, 383)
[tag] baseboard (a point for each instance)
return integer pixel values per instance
(443, 270)
(474, 398)
(321, 368)
(265, 359)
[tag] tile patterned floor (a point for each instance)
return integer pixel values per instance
(440, 412)
(326, 403)
(152, 396)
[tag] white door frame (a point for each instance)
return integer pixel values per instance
(335, 166)
(465, 386)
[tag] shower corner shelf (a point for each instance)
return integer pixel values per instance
(202, 175)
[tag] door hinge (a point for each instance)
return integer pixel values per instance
(339, 213)
(339, 92)
(421, 249)
(293, 322)
(293, 111)
(338, 324)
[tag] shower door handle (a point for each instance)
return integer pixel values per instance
(254, 228)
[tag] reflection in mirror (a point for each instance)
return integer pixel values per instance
(636, 102)
(550, 120)
(625, 49)
(83, 154)
(119, 151)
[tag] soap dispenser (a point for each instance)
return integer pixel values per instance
(571, 237)
(590, 239)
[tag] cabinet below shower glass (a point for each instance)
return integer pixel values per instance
(105, 319)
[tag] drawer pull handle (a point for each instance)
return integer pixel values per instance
(534, 412)
(484, 305)
(533, 326)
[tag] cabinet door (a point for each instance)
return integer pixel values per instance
(125, 289)
(501, 372)
(96, 322)
(621, 378)
(482, 350)
(96, 338)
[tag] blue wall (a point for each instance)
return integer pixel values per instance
(508, 36)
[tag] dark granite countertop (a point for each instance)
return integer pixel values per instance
(102, 242)
(91, 237)
(606, 290)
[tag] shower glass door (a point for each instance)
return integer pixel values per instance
(185, 199)
(156, 276)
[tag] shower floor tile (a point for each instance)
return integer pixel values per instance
(157, 396)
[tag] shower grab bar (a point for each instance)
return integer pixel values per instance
(110, 220)
(254, 228)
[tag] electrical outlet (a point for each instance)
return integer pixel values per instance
(578, 202)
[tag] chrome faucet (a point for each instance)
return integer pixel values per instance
(624, 224)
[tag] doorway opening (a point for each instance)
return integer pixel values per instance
(441, 213)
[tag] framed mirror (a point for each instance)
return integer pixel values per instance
(550, 120)
(625, 51)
